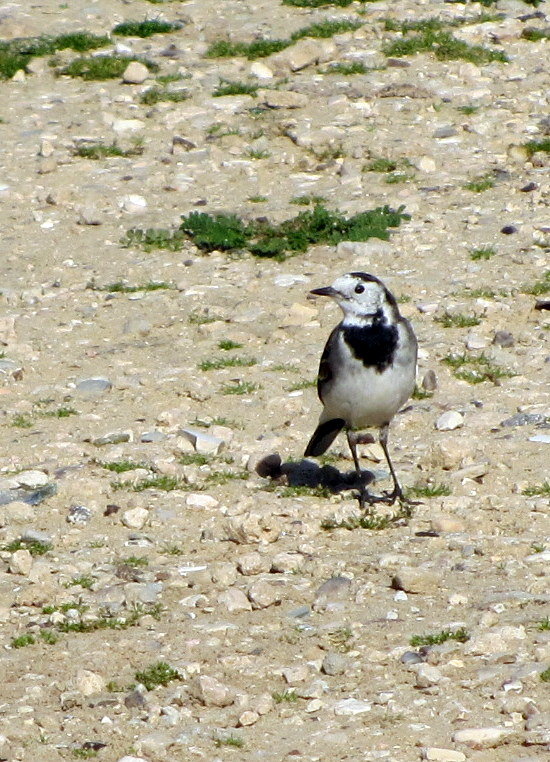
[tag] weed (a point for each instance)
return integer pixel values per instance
(226, 87)
(98, 151)
(326, 29)
(250, 50)
(436, 639)
(303, 491)
(545, 676)
(21, 421)
(114, 687)
(257, 199)
(119, 287)
(227, 362)
(102, 67)
(484, 252)
(233, 741)
(136, 561)
(162, 482)
(457, 320)
(121, 466)
(239, 387)
(288, 697)
(340, 639)
(318, 3)
(172, 550)
(197, 318)
(157, 674)
(444, 46)
(479, 293)
(382, 165)
(535, 34)
(222, 477)
(35, 547)
(366, 521)
(227, 344)
(193, 459)
(216, 421)
(16, 54)
(305, 384)
(538, 490)
(539, 287)
(49, 637)
(398, 177)
(256, 153)
(153, 238)
(307, 200)
(82, 753)
(346, 68)
(222, 231)
(109, 622)
(429, 490)
(483, 369)
(480, 184)
(60, 412)
(467, 110)
(22, 640)
(145, 28)
(544, 624)
(537, 548)
(154, 95)
(85, 581)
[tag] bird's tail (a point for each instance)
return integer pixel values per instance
(323, 436)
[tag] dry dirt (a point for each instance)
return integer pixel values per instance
(220, 578)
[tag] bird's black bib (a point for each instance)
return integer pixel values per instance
(374, 345)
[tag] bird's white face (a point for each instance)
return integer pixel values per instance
(357, 295)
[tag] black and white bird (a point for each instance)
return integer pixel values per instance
(367, 370)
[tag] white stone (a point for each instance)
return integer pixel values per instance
(135, 73)
(261, 71)
(437, 754)
(88, 682)
(248, 717)
(204, 443)
(135, 518)
(351, 706)
(234, 600)
(127, 125)
(201, 500)
(427, 675)
(314, 705)
(473, 342)
(449, 421)
(482, 738)
(32, 479)
(133, 204)
(210, 692)
(425, 164)
(20, 562)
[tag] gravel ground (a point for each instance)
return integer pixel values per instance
(159, 599)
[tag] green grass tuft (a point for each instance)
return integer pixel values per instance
(227, 87)
(326, 29)
(346, 68)
(430, 490)
(22, 640)
(162, 482)
(227, 362)
(319, 3)
(145, 28)
(545, 675)
(475, 368)
(366, 521)
(119, 287)
(535, 34)
(540, 287)
(157, 674)
(35, 547)
(480, 184)
(233, 741)
(121, 466)
(287, 697)
(98, 151)
(539, 490)
(436, 639)
(250, 50)
(484, 252)
(444, 46)
(16, 54)
(102, 67)
(21, 421)
(457, 320)
(154, 238)
(154, 95)
(239, 387)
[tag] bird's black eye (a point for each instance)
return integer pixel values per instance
(359, 288)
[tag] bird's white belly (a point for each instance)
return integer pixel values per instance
(364, 397)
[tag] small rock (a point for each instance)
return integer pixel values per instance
(509, 229)
(261, 71)
(332, 591)
(89, 215)
(253, 528)
(211, 692)
(250, 564)
(503, 339)
(447, 524)
(262, 594)
(201, 500)
(135, 700)
(295, 674)
(483, 738)
(20, 562)
(429, 382)
(437, 754)
(446, 131)
(249, 717)
(234, 600)
(284, 99)
(411, 657)
(135, 73)
(334, 664)
(32, 479)
(264, 703)
(525, 419)
(474, 342)
(135, 518)
(449, 421)
(79, 514)
(285, 563)
(427, 675)
(113, 437)
(93, 387)
(351, 706)
(133, 204)
(495, 640)
(204, 443)
(416, 580)
(88, 682)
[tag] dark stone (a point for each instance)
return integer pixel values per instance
(529, 187)
(509, 229)
(503, 339)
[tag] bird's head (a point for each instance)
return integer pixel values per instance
(360, 296)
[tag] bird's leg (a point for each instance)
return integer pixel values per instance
(397, 492)
(364, 495)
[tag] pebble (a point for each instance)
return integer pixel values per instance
(135, 518)
(211, 692)
(447, 524)
(503, 339)
(334, 664)
(427, 675)
(20, 562)
(416, 580)
(135, 73)
(262, 594)
(483, 738)
(133, 203)
(201, 500)
(204, 443)
(351, 706)
(525, 419)
(234, 600)
(449, 421)
(332, 592)
(113, 437)
(261, 71)
(429, 381)
(284, 99)
(437, 754)
(253, 528)
(93, 387)
(87, 682)
(250, 564)
(247, 718)
(411, 657)
(32, 479)
(79, 515)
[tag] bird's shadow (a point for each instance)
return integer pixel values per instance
(306, 473)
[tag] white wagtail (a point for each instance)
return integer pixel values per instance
(367, 370)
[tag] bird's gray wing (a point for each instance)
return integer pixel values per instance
(327, 365)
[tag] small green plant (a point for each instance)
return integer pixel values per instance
(398, 177)
(480, 184)
(467, 110)
(382, 165)
(429, 490)
(444, 46)
(227, 345)
(49, 637)
(457, 320)
(436, 639)
(299, 385)
(17, 53)
(154, 95)
(227, 362)
(172, 550)
(35, 547)
(21, 421)
(288, 697)
(119, 287)
(540, 287)
(60, 412)
(239, 387)
(257, 199)
(145, 28)
(98, 151)
(366, 521)
(193, 459)
(157, 674)
(421, 394)
(233, 741)
(114, 687)
(480, 293)
(545, 675)
(84, 753)
(475, 369)
(161, 482)
(102, 67)
(138, 562)
(325, 29)
(484, 252)
(222, 477)
(318, 3)
(22, 641)
(307, 200)
(198, 318)
(544, 624)
(538, 490)
(121, 466)
(346, 69)
(257, 153)
(153, 238)
(85, 581)
(250, 50)
(227, 87)
(535, 34)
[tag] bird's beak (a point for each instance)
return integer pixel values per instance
(325, 291)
